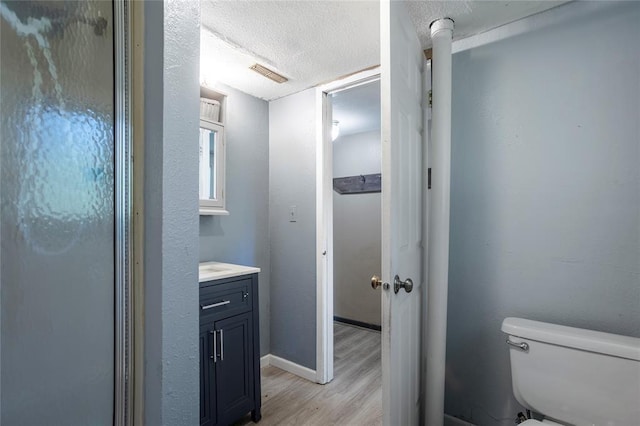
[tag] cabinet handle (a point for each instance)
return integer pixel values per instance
(221, 345)
(215, 305)
(215, 349)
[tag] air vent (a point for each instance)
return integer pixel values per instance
(271, 75)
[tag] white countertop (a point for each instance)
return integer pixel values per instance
(209, 271)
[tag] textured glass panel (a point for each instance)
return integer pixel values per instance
(57, 213)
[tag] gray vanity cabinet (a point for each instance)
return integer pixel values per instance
(229, 350)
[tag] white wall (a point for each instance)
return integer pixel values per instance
(356, 230)
(545, 193)
(292, 181)
(243, 236)
(171, 104)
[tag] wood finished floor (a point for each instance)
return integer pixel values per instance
(353, 397)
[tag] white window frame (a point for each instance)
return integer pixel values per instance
(216, 206)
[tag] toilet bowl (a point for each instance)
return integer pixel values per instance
(574, 376)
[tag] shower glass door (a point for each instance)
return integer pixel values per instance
(58, 198)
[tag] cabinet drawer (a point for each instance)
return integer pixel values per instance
(224, 300)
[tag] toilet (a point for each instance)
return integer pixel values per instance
(572, 376)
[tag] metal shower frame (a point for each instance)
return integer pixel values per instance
(123, 356)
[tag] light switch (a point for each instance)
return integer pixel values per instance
(293, 213)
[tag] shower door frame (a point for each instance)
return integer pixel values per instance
(123, 324)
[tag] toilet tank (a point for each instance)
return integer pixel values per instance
(575, 376)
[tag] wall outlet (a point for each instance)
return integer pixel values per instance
(293, 213)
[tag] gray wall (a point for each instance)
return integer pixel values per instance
(243, 236)
(292, 181)
(172, 41)
(356, 230)
(545, 208)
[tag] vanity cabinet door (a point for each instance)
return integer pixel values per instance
(234, 367)
(229, 351)
(207, 376)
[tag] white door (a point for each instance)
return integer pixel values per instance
(401, 98)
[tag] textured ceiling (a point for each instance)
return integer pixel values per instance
(357, 109)
(309, 42)
(316, 41)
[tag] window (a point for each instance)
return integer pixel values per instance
(212, 159)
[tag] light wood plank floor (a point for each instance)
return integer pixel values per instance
(353, 397)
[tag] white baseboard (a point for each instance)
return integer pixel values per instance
(291, 367)
(454, 421)
(265, 361)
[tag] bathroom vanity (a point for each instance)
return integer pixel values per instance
(229, 343)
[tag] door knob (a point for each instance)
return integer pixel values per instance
(377, 282)
(398, 284)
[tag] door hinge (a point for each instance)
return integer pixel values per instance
(430, 98)
(429, 178)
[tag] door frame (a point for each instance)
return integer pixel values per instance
(324, 217)
(123, 230)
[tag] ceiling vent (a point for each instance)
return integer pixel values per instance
(266, 72)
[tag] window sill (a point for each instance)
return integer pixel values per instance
(204, 211)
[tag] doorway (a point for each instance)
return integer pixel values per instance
(357, 223)
(349, 216)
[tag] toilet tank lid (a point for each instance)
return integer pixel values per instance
(578, 338)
